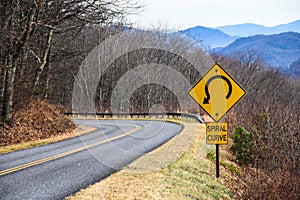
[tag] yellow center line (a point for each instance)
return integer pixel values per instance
(37, 162)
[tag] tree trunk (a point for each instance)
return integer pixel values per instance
(48, 77)
(2, 81)
(8, 90)
(44, 62)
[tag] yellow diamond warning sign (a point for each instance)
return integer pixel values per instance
(217, 92)
(216, 133)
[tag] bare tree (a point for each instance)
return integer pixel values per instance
(28, 29)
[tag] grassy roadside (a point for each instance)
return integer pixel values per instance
(78, 131)
(179, 169)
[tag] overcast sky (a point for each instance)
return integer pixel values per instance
(181, 14)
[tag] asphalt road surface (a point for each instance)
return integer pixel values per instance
(58, 170)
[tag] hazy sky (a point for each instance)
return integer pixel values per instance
(180, 14)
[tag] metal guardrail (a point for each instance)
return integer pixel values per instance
(139, 115)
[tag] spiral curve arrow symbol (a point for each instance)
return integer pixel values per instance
(207, 98)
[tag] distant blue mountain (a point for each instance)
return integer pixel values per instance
(278, 50)
(209, 37)
(244, 30)
(249, 29)
(293, 26)
(294, 69)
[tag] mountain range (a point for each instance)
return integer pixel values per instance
(278, 50)
(209, 37)
(249, 29)
(279, 46)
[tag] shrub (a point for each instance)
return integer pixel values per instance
(243, 148)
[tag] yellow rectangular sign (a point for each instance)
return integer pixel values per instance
(216, 133)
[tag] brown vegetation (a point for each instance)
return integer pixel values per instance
(278, 184)
(36, 120)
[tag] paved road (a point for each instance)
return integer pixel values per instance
(57, 170)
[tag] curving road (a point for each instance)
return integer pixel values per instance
(60, 169)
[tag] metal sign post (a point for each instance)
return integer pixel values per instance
(217, 161)
(216, 93)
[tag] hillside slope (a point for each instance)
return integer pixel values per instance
(279, 51)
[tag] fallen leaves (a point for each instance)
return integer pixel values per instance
(37, 120)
